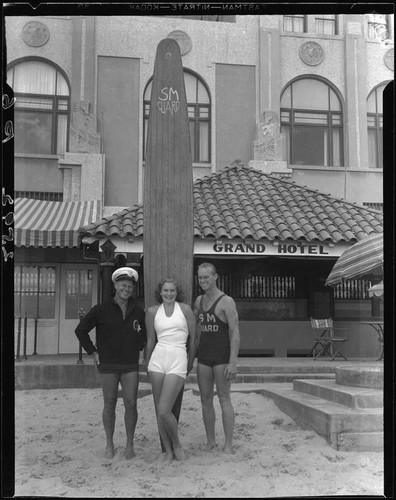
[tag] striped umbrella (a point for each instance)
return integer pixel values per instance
(363, 258)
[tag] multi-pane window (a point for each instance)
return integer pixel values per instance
(375, 127)
(35, 291)
(326, 24)
(42, 107)
(78, 299)
(255, 286)
(38, 195)
(377, 26)
(311, 124)
(352, 290)
(199, 117)
(295, 23)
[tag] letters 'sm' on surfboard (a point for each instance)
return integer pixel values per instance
(168, 237)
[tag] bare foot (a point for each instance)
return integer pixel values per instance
(210, 446)
(179, 453)
(109, 451)
(228, 449)
(129, 451)
(166, 457)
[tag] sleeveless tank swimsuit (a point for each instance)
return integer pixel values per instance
(214, 344)
(170, 354)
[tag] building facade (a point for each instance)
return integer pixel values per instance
(295, 96)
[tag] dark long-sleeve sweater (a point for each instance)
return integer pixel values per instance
(118, 339)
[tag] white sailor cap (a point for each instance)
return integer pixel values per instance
(124, 273)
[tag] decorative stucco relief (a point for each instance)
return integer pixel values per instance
(83, 135)
(183, 40)
(35, 34)
(267, 144)
(311, 53)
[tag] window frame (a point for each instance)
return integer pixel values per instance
(55, 99)
(31, 287)
(330, 125)
(334, 21)
(378, 119)
(196, 119)
(293, 17)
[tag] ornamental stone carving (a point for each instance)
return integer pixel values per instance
(183, 40)
(35, 34)
(267, 145)
(389, 59)
(311, 53)
(83, 135)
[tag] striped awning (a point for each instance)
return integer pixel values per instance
(39, 223)
(362, 259)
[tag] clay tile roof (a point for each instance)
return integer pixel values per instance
(241, 202)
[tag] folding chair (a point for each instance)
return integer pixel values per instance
(325, 340)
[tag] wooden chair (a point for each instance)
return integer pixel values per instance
(326, 341)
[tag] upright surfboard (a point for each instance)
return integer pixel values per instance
(168, 236)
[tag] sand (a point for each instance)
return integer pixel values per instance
(59, 451)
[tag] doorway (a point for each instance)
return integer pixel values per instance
(78, 293)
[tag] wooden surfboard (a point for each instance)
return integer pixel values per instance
(168, 237)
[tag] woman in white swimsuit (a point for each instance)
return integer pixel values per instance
(170, 352)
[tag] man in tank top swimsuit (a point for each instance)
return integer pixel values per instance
(218, 345)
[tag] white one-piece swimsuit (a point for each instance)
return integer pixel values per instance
(170, 354)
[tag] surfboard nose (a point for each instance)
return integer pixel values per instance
(168, 50)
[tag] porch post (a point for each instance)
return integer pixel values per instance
(107, 286)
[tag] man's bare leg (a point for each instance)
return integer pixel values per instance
(223, 387)
(110, 394)
(206, 386)
(129, 384)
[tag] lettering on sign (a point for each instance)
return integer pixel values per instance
(168, 101)
(239, 248)
(283, 248)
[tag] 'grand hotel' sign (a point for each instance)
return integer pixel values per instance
(239, 248)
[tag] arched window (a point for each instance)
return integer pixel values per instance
(311, 124)
(42, 107)
(375, 126)
(199, 116)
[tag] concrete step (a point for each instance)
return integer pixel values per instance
(259, 377)
(281, 368)
(363, 376)
(344, 428)
(54, 376)
(353, 397)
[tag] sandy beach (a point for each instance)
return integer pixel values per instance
(59, 451)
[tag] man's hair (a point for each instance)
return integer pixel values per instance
(157, 291)
(208, 264)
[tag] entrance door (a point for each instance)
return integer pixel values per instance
(78, 293)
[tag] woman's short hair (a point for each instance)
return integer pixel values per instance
(179, 291)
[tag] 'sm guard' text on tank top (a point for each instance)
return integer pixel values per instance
(214, 338)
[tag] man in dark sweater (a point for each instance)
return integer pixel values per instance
(120, 335)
